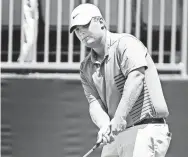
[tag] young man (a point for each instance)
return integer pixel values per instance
(123, 89)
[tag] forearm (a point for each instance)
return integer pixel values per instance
(132, 89)
(98, 115)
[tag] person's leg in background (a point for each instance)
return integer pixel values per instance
(30, 30)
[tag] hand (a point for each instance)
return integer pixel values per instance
(104, 135)
(118, 124)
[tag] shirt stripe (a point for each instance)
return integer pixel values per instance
(135, 107)
(143, 106)
(119, 75)
(120, 81)
(137, 111)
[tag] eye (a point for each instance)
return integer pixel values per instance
(77, 29)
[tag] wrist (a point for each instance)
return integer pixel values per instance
(118, 118)
(104, 124)
(118, 124)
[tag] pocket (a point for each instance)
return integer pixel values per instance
(162, 142)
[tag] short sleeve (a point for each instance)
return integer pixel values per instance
(89, 91)
(132, 54)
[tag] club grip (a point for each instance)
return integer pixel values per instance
(96, 145)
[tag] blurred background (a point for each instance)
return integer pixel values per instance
(44, 111)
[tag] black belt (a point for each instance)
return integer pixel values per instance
(150, 121)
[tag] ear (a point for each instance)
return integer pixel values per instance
(101, 20)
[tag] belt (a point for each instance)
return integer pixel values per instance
(150, 121)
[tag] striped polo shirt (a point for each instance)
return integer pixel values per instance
(104, 81)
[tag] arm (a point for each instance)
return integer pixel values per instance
(133, 64)
(98, 115)
(96, 110)
(132, 89)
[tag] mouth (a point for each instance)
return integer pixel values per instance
(84, 38)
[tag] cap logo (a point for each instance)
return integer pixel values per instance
(75, 16)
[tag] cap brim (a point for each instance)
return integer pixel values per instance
(72, 28)
(79, 21)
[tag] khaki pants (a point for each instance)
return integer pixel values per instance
(148, 140)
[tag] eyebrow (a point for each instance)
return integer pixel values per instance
(82, 25)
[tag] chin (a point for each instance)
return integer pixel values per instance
(90, 44)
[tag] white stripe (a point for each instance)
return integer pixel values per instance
(95, 2)
(120, 16)
(173, 34)
(10, 30)
(83, 48)
(149, 30)
(22, 28)
(107, 13)
(64, 76)
(58, 39)
(128, 22)
(161, 33)
(47, 24)
(0, 21)
(71, 41)
(184, 37)
(138, 15)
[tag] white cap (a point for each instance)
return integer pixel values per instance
(83, 14)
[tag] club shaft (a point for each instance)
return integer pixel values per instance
(88, 153)
(91, 150)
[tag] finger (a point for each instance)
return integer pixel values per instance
(108, 130)
(101, 144)
(104, 140)
(107, 138)
(111, 138)
(114, 132)
(113, 129)
(99, 138)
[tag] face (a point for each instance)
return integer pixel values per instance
(90, 34)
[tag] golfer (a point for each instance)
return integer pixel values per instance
(122, 86)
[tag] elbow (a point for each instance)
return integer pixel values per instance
(137, 75)
(137, 78)
(91, 108)
(140, 74)
(140, 80)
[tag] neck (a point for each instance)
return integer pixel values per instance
(100, 49)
